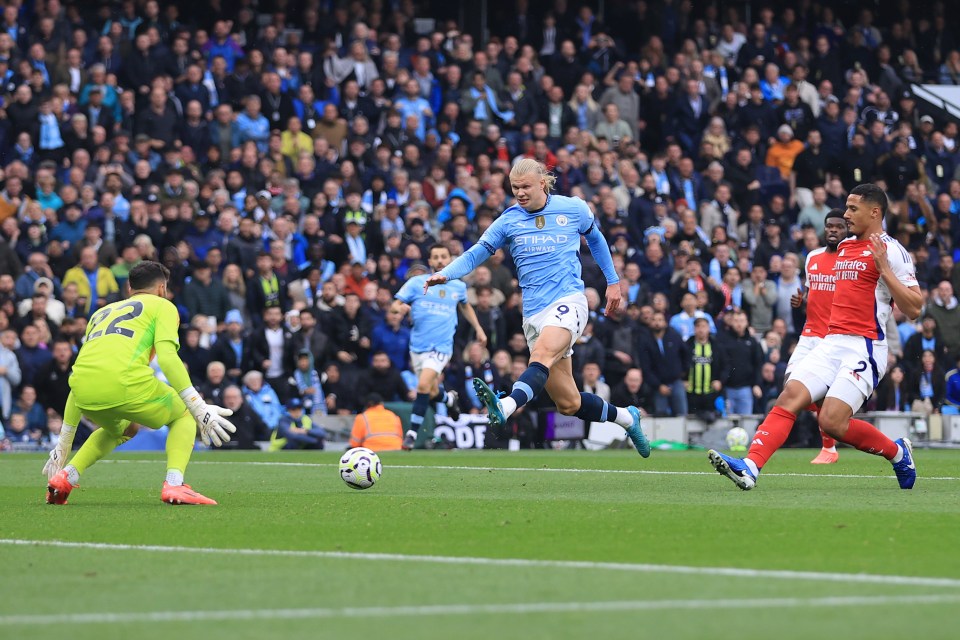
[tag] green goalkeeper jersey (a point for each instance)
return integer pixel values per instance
(113, 367)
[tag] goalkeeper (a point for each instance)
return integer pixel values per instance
(113, 385)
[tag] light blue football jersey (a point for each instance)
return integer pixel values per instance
(434, 314)
(545, 247)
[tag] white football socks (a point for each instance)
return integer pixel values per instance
(897, 458)
(174, 477)
(623, 418)
(508, 405)
(72, 474)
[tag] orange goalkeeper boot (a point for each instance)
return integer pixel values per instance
(59, 488)
(183, 494)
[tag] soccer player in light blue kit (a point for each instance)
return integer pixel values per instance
(434, 315)
(542, 233)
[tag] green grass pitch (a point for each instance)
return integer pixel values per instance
(484, 545)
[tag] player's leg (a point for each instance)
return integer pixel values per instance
(438, 394)
(169, 409)
(836, 420)
(806, 344)
(426, 389)
(803, 347)
(181, 438)
(829, 444)
(828, 449)
(58, 482)
(550, 336)
(776, 427)
(590, 407)
(810, 382)
(113, 431)
(447, 397)
(550, 345)
(164, 407)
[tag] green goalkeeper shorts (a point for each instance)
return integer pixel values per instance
(161, 406)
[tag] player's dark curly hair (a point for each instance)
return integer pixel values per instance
(833, 213)
(147, 274)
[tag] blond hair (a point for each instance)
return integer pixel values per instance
(526, 166)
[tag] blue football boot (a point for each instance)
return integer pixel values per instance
(490, 401)
(734, 468)
(906, 470)
(636, 434)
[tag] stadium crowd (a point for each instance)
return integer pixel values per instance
(292, 162)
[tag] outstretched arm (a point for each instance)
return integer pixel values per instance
(601, 253)
(172, 366)
(60, 453)
(470, 260)
(491, 240)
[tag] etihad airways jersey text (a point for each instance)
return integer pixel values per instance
(529, 237)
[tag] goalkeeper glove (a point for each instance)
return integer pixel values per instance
(60, 453)
(214, 427)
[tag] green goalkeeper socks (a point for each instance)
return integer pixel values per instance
(99, 444)
(180, 441)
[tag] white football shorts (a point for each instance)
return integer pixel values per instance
(570, 312)
(805, 345)
(848, 368)
(429, 360)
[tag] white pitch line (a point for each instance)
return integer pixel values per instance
(237, 615)
(648, 472)
(727, 572)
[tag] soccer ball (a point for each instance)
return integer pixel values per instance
(737, 439)
(360, 468)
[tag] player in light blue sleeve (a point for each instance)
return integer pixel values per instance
(434, 315)
(542, 233)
